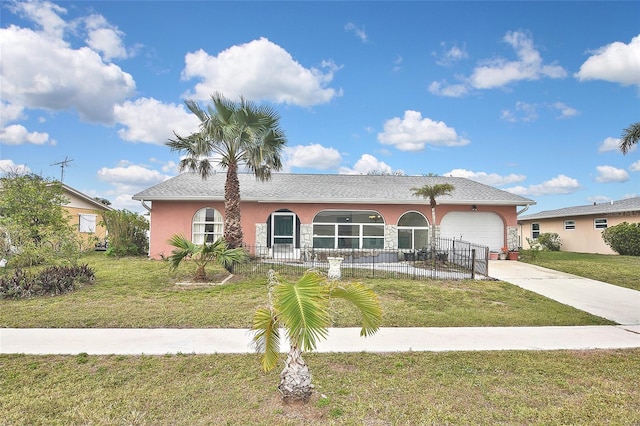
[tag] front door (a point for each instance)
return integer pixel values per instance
(283, 234)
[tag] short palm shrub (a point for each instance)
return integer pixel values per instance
(302, 310)
(623, 238)
(203, 254)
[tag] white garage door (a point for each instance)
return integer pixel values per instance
(484, 228)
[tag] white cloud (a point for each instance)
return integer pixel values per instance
(149, 120)
(105, 38)
(599, 199)
(128, 179)
(523, 112)
(366, 164)
(412, 133)
(56, 77)
(500, 72)
(10, 112)
(17, 134)
(609, 144)
(492, 179)
(7, 166)
(560, 184)
(635, 167)
(450, 55)
(608, 174)
(442, 88)
(45, 14)
(261, 71)
(358, 31)
(616, 63)
(314, 156)
(565, 110)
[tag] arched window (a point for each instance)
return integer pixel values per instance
(207, 226)
(348, 229)
(413, 231)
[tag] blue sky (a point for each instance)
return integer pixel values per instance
(529, 97)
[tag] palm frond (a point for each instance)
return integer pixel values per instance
(303, 309)
(365, 300)
(266, 340)
(183, 249)
(630, 137)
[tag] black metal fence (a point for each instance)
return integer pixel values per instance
(446, 259)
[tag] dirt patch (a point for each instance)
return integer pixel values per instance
(299, 411)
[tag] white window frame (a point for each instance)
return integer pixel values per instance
(413, 230)
(87, 223)
(569, 225)
(363, 229)
(600, 223)
(199, 225)
(534, 231)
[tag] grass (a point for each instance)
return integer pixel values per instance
(514, 387)
(140, 293)
(623, 271)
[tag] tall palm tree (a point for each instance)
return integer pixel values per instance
(203, 254)
(432, 192)
(236, 133)
(302, 310)
(630, 136)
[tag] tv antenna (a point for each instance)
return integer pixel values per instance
(64, 163)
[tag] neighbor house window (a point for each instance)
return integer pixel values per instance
(535, 230)
(348, 229)
(600, 223)
(413, 231)
(87, 222)
(569, 225)
(207, 226)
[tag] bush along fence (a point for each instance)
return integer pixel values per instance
(446, 259)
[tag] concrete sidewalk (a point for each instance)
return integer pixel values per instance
(618, 304)
(210, 341)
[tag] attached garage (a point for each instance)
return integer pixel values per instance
(484, 228)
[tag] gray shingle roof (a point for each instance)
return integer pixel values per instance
(621, 206)
(311, 188)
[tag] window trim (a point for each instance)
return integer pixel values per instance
(533, 231)
(413, 230)
(569, 225)
(204, 224)
(343, 221)
(604, 222)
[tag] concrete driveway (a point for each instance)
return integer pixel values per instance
(614, 303)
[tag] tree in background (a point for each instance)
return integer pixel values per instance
(34, 224)
(126, 233)
(630, 137)
(233, 134)
(302, 310)
(432, 192)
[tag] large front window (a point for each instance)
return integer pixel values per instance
(413, 231)
(348, 229)
(207, 226)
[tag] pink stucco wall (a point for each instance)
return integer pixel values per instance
(175, 217)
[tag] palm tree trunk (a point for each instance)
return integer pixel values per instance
(295, 378)
(200, 275)
(232, 227)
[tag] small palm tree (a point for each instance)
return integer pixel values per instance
(302, 309)
(432, 192)
(203, 254)
(630, 136)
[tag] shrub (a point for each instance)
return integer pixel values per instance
(51, 281)
(127, 233)
(550, 241)
(623, 238)
(533, 250)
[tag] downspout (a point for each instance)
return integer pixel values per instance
(518, 214)
(146, 206)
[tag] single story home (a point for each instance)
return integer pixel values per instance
(85, 214)
(580, 227)
(291, 212)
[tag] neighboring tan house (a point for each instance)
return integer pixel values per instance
(291, 212)
(85, 214)
(580, 228)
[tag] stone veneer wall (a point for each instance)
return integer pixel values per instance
(513, 240)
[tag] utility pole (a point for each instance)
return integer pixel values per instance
(64, 163)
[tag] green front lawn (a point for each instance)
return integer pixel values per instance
(141, 293)
(457, 388)
(623, 271)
